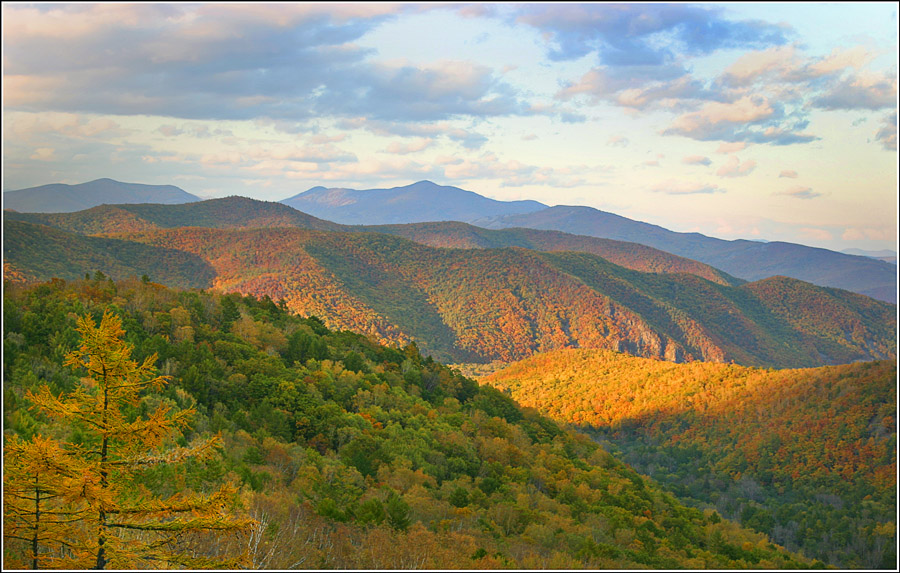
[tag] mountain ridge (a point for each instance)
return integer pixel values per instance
(418, 202)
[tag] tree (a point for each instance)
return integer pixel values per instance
(131, 527)
(38, 479)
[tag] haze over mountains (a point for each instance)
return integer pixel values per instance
(425, 201)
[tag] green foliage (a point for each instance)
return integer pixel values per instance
(396, 461)
(478, 305)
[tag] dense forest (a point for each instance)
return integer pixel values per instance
(479, 305)
(807, 456)
(323, 449)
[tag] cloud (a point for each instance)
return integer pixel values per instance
(732, 147)
(641, 34)
(696, 160)
(860, 91)
(887, 134)
(789, 173)
(465, 137)
(743, 111)
(44, 154)
(686, 188)
(799, 192)
(734, 167)
(617, 141)
(749, 119)
(411, 147)
(25, 126)
(232, 61)
(870, 233)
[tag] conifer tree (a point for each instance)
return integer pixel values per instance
(40, 479)
(130, 527)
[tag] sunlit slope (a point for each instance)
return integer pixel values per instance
(805, 455)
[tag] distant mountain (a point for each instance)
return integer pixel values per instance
(417, 203)
(471, 305)
(750, 260)
(62, 198)
(887, 256)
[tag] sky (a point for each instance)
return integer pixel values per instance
(769, 121)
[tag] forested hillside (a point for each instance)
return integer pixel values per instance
(807, 456)
(345, 454)
(629, 255)
(241, 212)
(478, 305)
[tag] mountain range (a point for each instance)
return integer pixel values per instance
(472, 305)
(426, 201)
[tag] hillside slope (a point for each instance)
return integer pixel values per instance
(241, 212)
(806, 456)
(633, 256)
(355, 456)
(478, 305)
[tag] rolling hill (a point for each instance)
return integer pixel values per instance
(807, 456)
(62, 198)
(477, 305)
(749, 260)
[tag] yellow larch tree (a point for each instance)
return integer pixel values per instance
(128, 526)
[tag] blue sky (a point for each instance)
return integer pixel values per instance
(762, 121)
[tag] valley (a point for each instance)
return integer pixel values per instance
(806, 456)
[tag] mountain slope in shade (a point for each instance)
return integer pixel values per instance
(62, 198)
(226, 213)
(39, 252)
(479, 305)
(807, 456)
(749, 260)
(416, 203)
